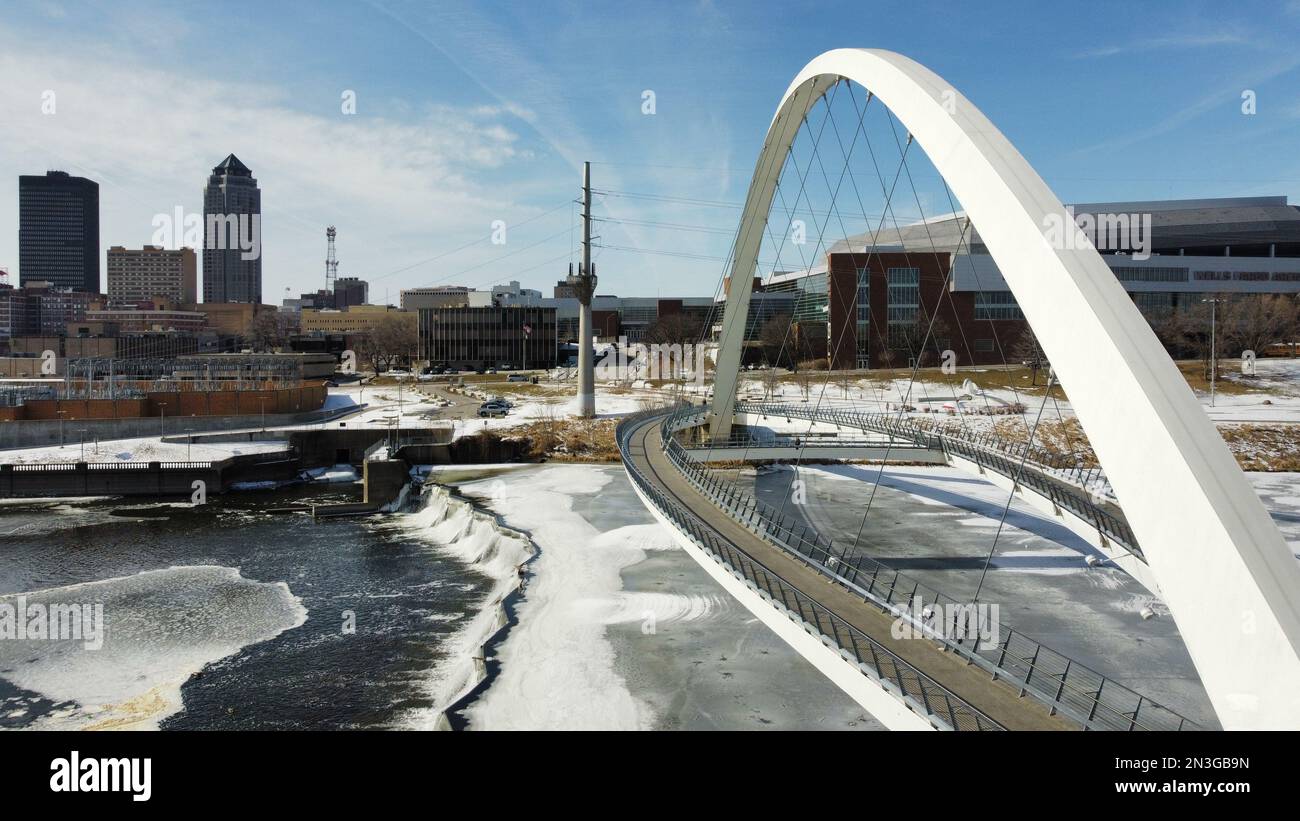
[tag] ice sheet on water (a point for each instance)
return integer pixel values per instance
(160, 627)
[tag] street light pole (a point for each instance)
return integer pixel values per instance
(1214, 348)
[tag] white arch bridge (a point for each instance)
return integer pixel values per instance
(1206, 543)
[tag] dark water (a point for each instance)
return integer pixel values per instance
(407, 599)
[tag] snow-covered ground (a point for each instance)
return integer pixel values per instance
(1273, 396)
(620, 629)
(557, 664)
(410, 407)
(146, 449)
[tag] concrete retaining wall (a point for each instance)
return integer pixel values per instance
(142, 478)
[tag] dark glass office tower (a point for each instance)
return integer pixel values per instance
(58, 231)
(232, 213)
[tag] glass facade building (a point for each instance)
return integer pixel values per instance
(58, 231)
(489, 337)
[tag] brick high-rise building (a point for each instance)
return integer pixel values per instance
(140, 275)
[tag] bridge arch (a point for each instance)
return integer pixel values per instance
(1225, 571)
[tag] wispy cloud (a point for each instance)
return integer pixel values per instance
(149, 135)
(1228, 92)
(1169, 42)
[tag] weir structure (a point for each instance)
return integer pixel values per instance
(1207, 545)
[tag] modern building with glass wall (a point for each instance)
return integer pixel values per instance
(232, 252)
(516, 336)
(928, 287)
(58, 231)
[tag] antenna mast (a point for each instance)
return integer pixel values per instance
(331, 261)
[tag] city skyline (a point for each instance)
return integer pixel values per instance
(699, 365)
(415, 178)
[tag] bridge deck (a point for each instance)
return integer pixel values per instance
(997, 699)
(1031, 476)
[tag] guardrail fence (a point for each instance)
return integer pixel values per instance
(1064, 685)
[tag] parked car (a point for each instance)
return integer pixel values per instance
(488, 409)
(425, 377)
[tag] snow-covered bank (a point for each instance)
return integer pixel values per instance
(558, 665)
(143, 449)
(456, 529)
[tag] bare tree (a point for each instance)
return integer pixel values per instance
(671, 329)
(804, 378)
(1256, 322)
(1191, 328)
(268, 331)
(773, 336)
(923, 338)
(1029, 353)
(392, 338)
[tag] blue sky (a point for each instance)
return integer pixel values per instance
(473, 112)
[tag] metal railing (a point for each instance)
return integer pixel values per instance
(1023, 465)
(1071, 467)
(739, 441)
(242, 459)
(922, 693)
(1065, 685)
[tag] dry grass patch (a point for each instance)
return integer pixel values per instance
(570, 440)
(1264, 447)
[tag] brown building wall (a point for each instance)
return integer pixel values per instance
(668, 307)
(975, 342)
(604, 324)
(183, 403)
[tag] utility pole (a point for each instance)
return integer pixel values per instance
(584, 287)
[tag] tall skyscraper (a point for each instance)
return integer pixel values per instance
(58, 231)
(232, 234)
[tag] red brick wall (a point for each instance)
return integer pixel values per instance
(965, 334)
(605, 324)
(183, 403)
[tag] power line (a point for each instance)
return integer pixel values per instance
(469, 244)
